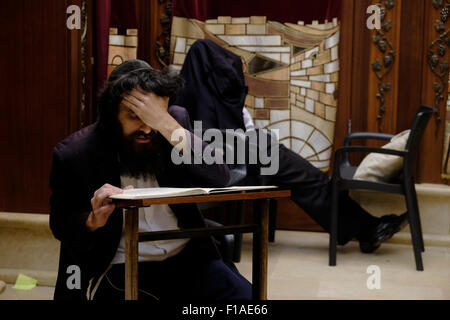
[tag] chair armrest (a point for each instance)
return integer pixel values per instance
(345, 150)
(364, 135)
(367, 135)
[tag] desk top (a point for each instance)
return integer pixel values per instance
(233, 196)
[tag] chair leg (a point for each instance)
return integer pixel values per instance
(273, 205)
(238, 237)
(414, 225)
(417, 212)
(334, 223)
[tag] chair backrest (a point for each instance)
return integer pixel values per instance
(417, 130)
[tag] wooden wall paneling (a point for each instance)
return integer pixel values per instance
(346, 58)
(74, 83)
(144, 30)
(361, 68)
(156, 29)
(88, 97)
(355, 43)
(410, 62)
(39, 100)
(360, 71)
(11, 144)
(150, 13)
(431, 150)
(383, 86)
(81, 68)
(412, 32)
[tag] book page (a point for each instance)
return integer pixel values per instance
(164, 192)
(237, 188)
(147, 193)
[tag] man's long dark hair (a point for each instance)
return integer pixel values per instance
(126, 77)
(162, 83)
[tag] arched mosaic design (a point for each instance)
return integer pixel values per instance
(291, 71)
(121, 48)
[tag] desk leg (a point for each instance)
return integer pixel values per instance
(131, 253)
(237, 250)
(260, 249)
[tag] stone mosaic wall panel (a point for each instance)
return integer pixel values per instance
(291, 71)
(121, 47)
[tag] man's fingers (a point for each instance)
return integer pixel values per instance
(139, 94)
(103, 193)
(102, 214)
(109, 187)
(127, 102)
(105, 211)
(128, 187)
(96, 202)
(132, 100)
(114, 189)
(106, 201)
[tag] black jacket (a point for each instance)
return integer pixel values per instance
(84, 162)
(215, 89)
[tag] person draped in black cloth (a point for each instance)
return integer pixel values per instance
(215, 93)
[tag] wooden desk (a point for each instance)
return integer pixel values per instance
(260, 230)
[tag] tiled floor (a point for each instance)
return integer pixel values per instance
(298, 270)
(37, 293)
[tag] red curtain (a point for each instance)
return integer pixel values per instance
(123, 15)
(275, 10)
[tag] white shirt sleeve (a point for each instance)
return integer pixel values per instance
(248, 121)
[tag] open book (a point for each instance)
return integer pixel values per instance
(151, 193)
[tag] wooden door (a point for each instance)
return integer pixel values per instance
(45, 96)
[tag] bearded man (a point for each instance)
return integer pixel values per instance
(130, 146)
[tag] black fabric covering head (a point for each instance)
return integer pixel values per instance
(215, 89)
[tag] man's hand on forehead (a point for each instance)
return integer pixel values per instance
(149, 107)
(153, 111)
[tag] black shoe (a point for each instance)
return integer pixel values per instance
(384, 230)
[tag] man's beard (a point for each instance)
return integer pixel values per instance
(141, 159)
